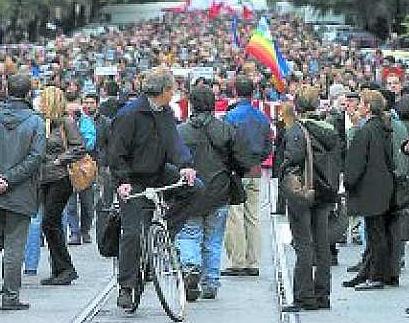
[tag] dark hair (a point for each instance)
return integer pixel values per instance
(19, 85)
(111, 88)
(403, 107)
(202, 98)
(71, 96)
(91, 96)
(244, 87)
(370, 86)
(389, 97)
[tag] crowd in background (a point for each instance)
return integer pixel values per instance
(80, 83)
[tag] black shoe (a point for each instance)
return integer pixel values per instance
(354, 269)
(65, 278)
(353, 282)
(407, 311)
(13, 304)
(75, 240)
(234, 272)
(370, 285)
(192, 279)
(124, 299)
(30, 272)
(324, 302)
(254, 272)
(334, 260)
(86, 237)
(297, 307)
(392, 282)
(209, 293)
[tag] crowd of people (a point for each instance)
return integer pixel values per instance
(177, 96)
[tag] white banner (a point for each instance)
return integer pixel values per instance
(106, 70)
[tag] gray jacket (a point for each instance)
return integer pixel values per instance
(22, 148)
(212, 157)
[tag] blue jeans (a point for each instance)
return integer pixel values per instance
(70, 217)
(200, 243)
(362, 233)
(32, 253)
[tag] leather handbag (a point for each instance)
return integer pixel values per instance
(83, 172)
(108, 230)
(295, 187)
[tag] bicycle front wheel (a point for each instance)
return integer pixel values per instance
(167, 273)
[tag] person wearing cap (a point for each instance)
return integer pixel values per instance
(146, 150)
(23, 147)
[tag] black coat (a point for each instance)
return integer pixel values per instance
(22, 148)
(142, 142)
(212, 162)
(369, 169)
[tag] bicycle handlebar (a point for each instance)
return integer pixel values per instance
(151, 192)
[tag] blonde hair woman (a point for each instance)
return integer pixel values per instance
(64, 146)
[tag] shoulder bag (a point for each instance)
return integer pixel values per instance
(82, 172)
(294, 187)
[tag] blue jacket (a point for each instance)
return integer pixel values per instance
(88, 132)
(22, 149)
(253, 130)
(242, 112)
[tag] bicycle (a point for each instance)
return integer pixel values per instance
(160, 256)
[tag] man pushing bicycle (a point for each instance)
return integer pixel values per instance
(145, 150)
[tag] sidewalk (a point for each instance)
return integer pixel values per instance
(60, 304)
(384, 306)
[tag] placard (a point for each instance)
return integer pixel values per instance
(106, 70)
(205, 72)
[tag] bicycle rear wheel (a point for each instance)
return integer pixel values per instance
(167, 273)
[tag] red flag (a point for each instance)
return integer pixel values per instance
(247, 13)
(229, 10)
(215, 9)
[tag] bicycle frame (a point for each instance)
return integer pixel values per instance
(162, 255)
(156, 196)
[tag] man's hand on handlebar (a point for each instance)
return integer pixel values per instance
(189, 174)
(124, 190)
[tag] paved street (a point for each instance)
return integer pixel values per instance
(61, 304)
(385, 306)
(241, 300)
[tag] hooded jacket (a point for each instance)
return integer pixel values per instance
(211, 156)
(22, 148)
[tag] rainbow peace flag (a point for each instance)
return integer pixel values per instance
(264, 51)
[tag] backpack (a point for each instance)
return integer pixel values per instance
(327, 158)
(400, 164)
